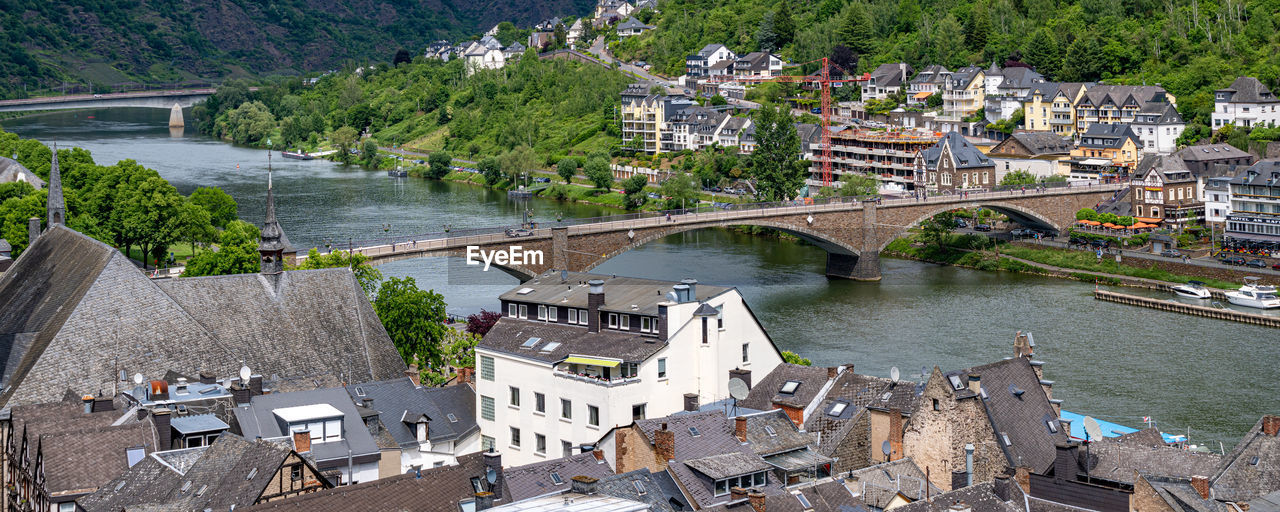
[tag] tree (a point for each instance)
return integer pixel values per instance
(345, 139)
(717, 100)
(490, 170)
(561, 35)
(458, 351)
(793, 358)
(195, 225)
(936, 229)
(369, 153)
(766, 34)
(634, 188)
(249, 123)
(237, 253)
(1018, 177)
(784, 26)
(1087, 214)
(518, 162)
(977, 28)
(1043, 52)
(856, 30)
(221, 207)
(776, 160)
(414, 319)
(367, 275)
(681, 192)
(842, 56)
(402, 57)
(440, 165)
(597, 170)
(480, 323)
(567, 168)
(934, 100)
(149, 217)
(856, 184)
(1083, 62)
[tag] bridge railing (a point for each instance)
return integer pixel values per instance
(482, 235)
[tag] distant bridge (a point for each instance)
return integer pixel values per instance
(145, 99)
(852, 231)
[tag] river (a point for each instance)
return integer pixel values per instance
(1115, 362)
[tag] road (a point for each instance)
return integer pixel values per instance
(600, 51)
(1206, 262)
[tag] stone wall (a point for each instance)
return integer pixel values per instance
(935, 439)
(633, 451)
(1145, 498)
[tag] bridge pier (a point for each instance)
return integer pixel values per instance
(175, 116)
(865, 267)
(560, 248)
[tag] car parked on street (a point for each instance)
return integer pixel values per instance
(982, 227)
(1233, 260)
(1171, 253)
(1021, 232)
(519, 232)
(960, 223)
(1256, 263)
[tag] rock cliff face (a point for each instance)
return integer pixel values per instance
(105, 42)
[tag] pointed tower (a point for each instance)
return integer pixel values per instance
(273, 244)
(57, 210)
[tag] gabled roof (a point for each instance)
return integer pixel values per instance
(510, 334)
(824, 496)
(773, 432)
(769, 390)
(931, 74)
(1262, 173)
(1124, 95)
(1252, 469)
(1018, 77)
(1180, 496)
(964, 154)
(535, 479)
(1018, 408)
(1247, 89)
(1107, 136)
(10, 170)
(696, 456)
(1118, 458)
(891, 74)
(259, 419)
(81, 461)
(633, 24)
(620, 292)
(1034, 144)
(395, 399)
(881, 483)
(1203, 152)
(710, 49)
(977, 497)
(657, 489)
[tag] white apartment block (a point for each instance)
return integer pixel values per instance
(1246, 103)
(577, 354)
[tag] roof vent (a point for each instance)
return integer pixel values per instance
(1015, 391)
(252, 473)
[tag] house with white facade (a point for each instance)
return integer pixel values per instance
(1217, 200)
(1246, 103)
(632, 27)
(886, 80)
(339, 441)
(484, 54)
(428, 427)
(758, 64)
(575, 32)
(575, 355)
(699, 65)
(1158, 126)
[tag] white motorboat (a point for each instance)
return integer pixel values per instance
(1192, 290)
(1254, 295)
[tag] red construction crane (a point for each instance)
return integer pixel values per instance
(824, 82)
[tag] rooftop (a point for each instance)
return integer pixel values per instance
(622, 294)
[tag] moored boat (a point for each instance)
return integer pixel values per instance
(1192, 290)
(297, 155)
(1254, 295)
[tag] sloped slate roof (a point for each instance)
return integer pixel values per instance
(825, 496)
(725, 465)
(509, 334)
(657, 493)
(785, 437)
(1037, 143)
(1111, 135)
(1020, 416)
(532, 480)
(74, 311)
(10, 170)
(258, 419)
(966, 155)
(620, 292)
(716, 437)
(1117, 458)
(768, 390)
(394, 399)
(1240, 478)
(1018, 77)
(1247, 89)
(1181, 497)
(84, 460)
(880, 483)
(891, 74)
(1210, 152)
(978, 498)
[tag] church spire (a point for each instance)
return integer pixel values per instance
(273, 243)
(57, 209)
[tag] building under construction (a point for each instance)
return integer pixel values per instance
(888, 154)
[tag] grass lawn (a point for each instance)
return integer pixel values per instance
(181, 253)
(1082, 260)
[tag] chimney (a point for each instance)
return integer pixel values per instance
(975, 383)
(968, 464)
(682, 292)
(484, 500)
(832, 372)
(164, 433)
(1022, 345)
(1201, 485)
(620, 450)
(414, 375)
(595, 299)
(690, 402)
(1066, 462)
(255, 384)
(584, 484)
(737, 494)
(693, 288)
(664, 442)
(464, 374)
(33, 230)
(959, 479)
(493, 461)
(598, 454)
(739, 373)
(88, 403)
(1003, 487)
(757, 500)
(895, 434)
(662, 321)
(1023, 477)
(302, 441)
(740, 428)
(241, 393)
(207, 377)
(1271, 425)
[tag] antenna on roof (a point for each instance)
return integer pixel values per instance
(245, 373)
(738, 390)
(893, 374)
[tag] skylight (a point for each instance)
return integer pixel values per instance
(955, 381)
(693, 431)
(555, 477)
(769, 429)
(639, 487)
(359, 391)
(252, 473)
(550, 347)
(1053, 426)
(452, 418)
(789, 387)
(1005, 436)
(837, 408)
(530, 342)
(804, 502)
(525, 291)
(186, 486)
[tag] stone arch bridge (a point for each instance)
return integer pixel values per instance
(852, 232)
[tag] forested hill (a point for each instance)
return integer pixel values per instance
(1191, 47)
(43, 43)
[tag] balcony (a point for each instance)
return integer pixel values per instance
(598, 381)
(1054, 120)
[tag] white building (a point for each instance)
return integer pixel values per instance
(339, 439)
(1158, 128)
(1217, 200)
(431, 426)
(1247, 102)
(577, 354)
(886, 80)
(699, 65)
(1254, 218)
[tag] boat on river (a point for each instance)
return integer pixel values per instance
(297, 155)
(397, 173)
(1192, 290)
(1254, 295)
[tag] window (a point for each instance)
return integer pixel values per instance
(515, 437)
(789, 387)
(295, 472)
(593, 415)
(556, 479)
(486, 408)
(550, 347)
(936, 407)
(552, 314)
(837, 408)
(768, 429)
(637, 411)
(566, 409)
(582, 317)
(542, 312)
(476, 485)
(720, 316)
(662, 368)
(746, 352)
(625, 323)
(511, 310)
(540, 443)
(646, 324)
(524, 311)
(539, 402)
(613, 320)
(486, 443)
(804, 502)
(486, 368)
(515, 397)
(573, 316)
(693, 431)
(566, 448)
(629, 370)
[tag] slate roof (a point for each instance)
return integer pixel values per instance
(965, 155)
(880, 483)
(768, 390)
(931, 74)
(509, 334)
(1036, 143)
(657, 493)
(785, 437)
(1251, 470)
(707, 50)
(258, 419)
(620, 292)
(891, 74)
(1181, 497)
(725, 465)
(1172, 168)
(716, 438)
(533, 480)
(219, 478)
(1247, 89)
(10, 169)
(978, 498)
(438, 490)
(74, 311)
(1203, 152)
(1158, 113)
(400, 398)
(1117, 458)
(1021, 417)
(1108, 136)
(632, 24)
(1018, 77)
(1122, 95)
(824, 496)
(754, 61)
(855, 391)
(1262, 173)
(81, 461)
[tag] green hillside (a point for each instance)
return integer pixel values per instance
(104, 42)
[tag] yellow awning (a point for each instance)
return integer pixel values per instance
(608, 363)
(922, 95)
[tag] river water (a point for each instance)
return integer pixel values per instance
(1118, 363)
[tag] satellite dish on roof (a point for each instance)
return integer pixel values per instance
(137, 378)
(245, 373)
(893, 374)
(738, 389)
(490, 475)
(1092, 430)
(886, 448)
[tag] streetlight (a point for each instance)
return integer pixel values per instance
(386, 228)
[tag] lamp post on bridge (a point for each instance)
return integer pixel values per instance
(386, 229)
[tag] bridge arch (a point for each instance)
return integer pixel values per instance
(1020, 214)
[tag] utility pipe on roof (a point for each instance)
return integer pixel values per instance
(968, 464)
